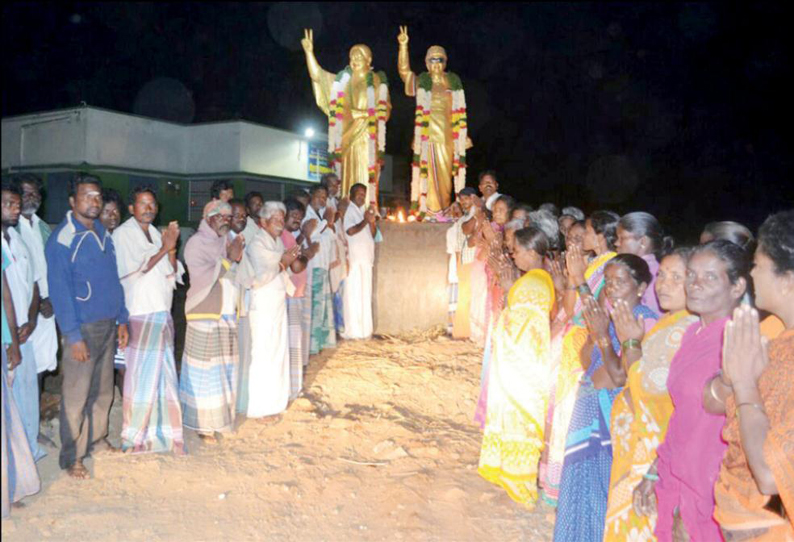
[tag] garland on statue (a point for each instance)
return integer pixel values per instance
(419, 177)
(377, 111)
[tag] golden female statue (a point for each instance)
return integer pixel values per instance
(440, 134)
(356, 101)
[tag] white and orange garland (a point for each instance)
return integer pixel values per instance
(424, 87)
(376, 123)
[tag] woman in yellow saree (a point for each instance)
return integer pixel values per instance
(641, 412)
(518, 376)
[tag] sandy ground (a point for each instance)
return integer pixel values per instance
(379, 447)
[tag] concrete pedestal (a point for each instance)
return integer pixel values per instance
(410, 277)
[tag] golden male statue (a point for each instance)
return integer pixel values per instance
(440, 133)
(356, 101)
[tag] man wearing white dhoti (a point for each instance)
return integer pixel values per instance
(243, 225)
(35, 232)
(360, 231)
(22, 281)
(264, 271)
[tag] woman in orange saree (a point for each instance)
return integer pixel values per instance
(754, 493)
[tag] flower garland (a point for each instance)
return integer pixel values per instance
(419, 176)
(377, 111)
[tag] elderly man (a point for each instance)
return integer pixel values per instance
(323, 332)
(22, 282)
(360, 231)
(89, 307)
(148, 270)
(35, 233)
(265, 273)
(208, 383)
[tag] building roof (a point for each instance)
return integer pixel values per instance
(102, 138)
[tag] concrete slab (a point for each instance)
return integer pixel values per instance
(410, 277)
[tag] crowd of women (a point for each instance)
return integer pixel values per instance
(643, 390)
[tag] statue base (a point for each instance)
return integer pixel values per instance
(410, 277)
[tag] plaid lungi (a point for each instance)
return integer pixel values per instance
(323, 333)
(306, 328)
(339, 313)
(244, 338)
(208, 383)
(151, 412)
(295, 330)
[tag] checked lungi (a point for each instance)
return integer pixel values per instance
(296, 345)
(323, 332)
(151, 412)
(208, 383)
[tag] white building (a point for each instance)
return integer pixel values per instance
(180, 160)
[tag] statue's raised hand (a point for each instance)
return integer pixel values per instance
(308, 40)
(402, 39)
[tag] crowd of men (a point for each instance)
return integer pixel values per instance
(270, 283)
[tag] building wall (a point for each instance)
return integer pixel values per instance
(56, 137)
(124, 141)
(213, 148)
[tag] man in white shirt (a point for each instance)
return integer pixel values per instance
(253, 203)
(323, 332)
(35, 233)
(265, 272)
(331, 183)
(488, 188)
(148, 271)
(240, 226)
(22, 281)
(360, 228)
(337, 269)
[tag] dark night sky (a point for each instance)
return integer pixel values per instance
(677, 109)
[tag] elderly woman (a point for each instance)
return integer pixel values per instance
(582, 503)
(756, 481)
(266, 274)
(642, 410)
(519, 372)
(547, 223)
(689, 458)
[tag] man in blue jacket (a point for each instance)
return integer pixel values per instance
(89, 308)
